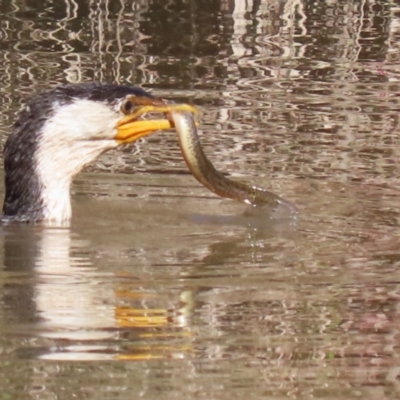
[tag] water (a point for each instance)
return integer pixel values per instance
(162, 290)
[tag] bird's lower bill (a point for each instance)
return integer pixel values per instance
(130, 128)
(131, 131)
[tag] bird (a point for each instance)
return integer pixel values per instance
(61, 130)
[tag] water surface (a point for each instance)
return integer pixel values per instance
(162, 290)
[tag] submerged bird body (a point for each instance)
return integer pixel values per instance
(58, 133)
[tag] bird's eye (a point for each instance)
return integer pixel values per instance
(127, 107)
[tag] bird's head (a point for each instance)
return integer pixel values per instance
(62, 130)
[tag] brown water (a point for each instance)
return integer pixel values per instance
(160, 289)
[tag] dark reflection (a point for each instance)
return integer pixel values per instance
(20, 254)
(375, 35)
(202, 23)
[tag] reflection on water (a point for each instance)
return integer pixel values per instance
(67, 303)
(86, 312)
(198, 298)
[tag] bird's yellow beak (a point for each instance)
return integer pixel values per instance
(129, 128)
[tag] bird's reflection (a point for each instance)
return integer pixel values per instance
(79, 312)
(68, 296)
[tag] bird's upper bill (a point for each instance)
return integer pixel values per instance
(131, 127)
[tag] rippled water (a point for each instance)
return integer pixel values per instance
(162, 290)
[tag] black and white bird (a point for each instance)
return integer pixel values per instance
(59, 132)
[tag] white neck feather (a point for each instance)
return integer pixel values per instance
(73, 137)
